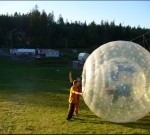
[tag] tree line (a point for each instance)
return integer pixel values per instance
(40, 30)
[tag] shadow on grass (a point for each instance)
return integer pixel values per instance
(143, 123)
(93, 119)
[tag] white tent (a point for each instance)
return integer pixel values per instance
(83, 56)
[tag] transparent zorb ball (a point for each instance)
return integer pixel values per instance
(116, 81)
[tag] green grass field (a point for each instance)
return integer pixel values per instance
(34, 100)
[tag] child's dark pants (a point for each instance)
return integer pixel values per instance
(70, 111)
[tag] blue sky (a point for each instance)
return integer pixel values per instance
(132, 13)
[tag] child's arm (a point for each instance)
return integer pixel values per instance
(78, 93)
(70, 77)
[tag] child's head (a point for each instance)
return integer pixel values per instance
(75, 82)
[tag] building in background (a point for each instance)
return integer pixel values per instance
(39, 53)
(22, 51)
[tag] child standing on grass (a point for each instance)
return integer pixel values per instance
(73, 99)
(76, 110)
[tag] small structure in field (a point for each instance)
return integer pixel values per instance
(78, 64)
(83, 56)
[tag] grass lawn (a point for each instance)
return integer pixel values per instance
(34, 100)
